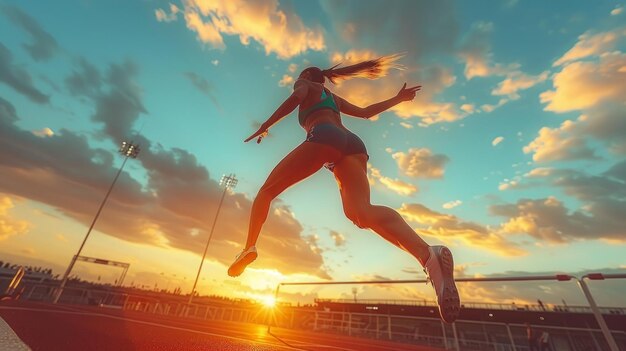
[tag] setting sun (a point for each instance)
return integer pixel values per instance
(267, 300)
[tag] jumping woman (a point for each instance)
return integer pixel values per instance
(329, 143)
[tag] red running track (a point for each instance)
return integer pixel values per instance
(46, 327)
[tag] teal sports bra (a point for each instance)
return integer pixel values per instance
(327, 101)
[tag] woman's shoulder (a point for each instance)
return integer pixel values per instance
(301, 82)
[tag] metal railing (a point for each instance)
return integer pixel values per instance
(482, 305)
(610, 340)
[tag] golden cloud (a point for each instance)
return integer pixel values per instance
(285, 80)
(10, 226)
(207, 33)
(396, 185)
(591, 45)
(450, 229)
(277, 31)
(45, 132)
(562, 143)
(163, 16)
(452, 204)
(517, 81)
(421, 163)
(582, 85)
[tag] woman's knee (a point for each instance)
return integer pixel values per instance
(359, 216)
(267, 193)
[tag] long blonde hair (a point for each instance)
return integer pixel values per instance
(371, 69)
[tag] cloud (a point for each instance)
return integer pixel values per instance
(603, 199)
(85, 79)
(517, 81)
(7, 111)
(418, 28)
(581, 85)
(395, 185)
(45, 132)
(508, 184)
(617, 10)
(548, 220)
(207, 33)
(497, 140)
(585, 187)
(591, 45)
(452, 204)
(203, 85)
(606, 123)
(163, 16)
(593, 86)
(340, 239)
(468, 108)
(43, 45)
(421, 163)
(490, 108)
(10, 226)
(475, 51)
(278, 31)
(450, 229)
(116, 96)
(18, 78)
(564, 143)
(285, 80)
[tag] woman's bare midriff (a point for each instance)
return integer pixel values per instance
(323, 116)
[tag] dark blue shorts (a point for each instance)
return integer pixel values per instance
(343, 140)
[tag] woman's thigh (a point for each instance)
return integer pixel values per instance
(351, 175)
(299, 164)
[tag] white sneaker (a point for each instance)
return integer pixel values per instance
(242, 261)
(440, 272)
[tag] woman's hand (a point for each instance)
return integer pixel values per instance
(261, 133)
(408, 94)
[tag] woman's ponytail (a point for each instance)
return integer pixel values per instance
(371, 69)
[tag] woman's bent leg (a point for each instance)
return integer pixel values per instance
(351, 175)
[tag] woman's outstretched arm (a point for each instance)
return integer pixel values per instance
(405, 94)
(290, 104)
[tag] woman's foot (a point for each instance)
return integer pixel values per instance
(439, 269)
(242, 261)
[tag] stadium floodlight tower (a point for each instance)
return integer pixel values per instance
(228, 182)
(127, 149)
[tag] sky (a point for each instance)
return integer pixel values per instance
(513, 154)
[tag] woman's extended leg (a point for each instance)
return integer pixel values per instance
(351, 175)
(299, 164)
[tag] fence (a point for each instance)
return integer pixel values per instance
(461, 335)
(608, 342)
